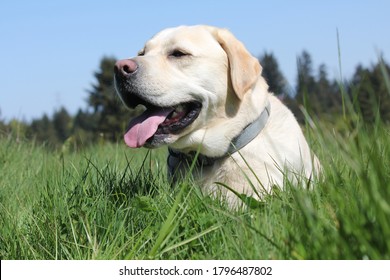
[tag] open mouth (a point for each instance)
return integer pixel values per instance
(157, 122)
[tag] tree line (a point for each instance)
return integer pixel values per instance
(105, 118)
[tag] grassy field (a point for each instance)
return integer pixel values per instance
(110, 202)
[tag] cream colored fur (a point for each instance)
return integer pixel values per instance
(220, 73)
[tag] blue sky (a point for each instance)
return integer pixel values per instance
(50, 49)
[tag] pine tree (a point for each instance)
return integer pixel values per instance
(370, 91)
(62, 122)
(43, 131)
(327, 93)
(316, 92)
(273, 76)
(84, 128)
(107, 108)
(305, 87)
(305, 80)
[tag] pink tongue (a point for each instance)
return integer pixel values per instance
(145, 126)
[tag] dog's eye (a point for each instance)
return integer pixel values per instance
(141, 52)
(177, 53)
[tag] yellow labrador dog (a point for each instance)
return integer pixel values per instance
(205, 98)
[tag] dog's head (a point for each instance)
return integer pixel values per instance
(190, 79)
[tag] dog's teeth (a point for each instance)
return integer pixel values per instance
(178, 112)
(174, 114)
(180, 109)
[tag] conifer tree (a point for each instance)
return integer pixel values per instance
(272, 74)
(109, 111)
(62, 122)
(371, 92)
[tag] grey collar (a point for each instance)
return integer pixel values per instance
(240, 141)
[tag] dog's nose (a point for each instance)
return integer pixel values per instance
(125, 67)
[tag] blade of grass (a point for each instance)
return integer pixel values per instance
(169, 224)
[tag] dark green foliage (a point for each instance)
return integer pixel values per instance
(62, 123)
(369, 89)
(110, 113)
(319, 95)
(43, 131)
(272, 74)
(305, 80)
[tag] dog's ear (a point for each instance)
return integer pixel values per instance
(244, 68)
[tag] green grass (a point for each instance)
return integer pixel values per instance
(111, 202)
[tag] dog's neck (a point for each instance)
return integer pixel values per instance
(253, 129)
